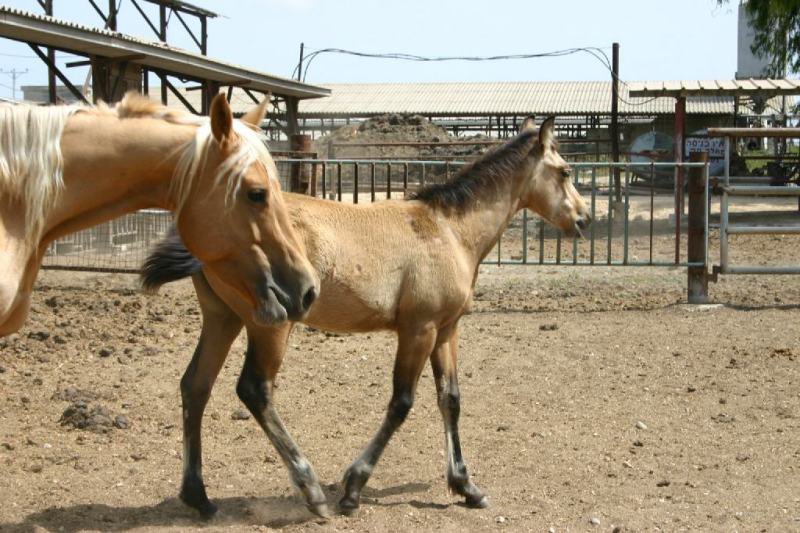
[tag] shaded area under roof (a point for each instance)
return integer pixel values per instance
(47, 31)
(498, 98)
(712, 88)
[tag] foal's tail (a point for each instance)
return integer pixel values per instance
(169, 261)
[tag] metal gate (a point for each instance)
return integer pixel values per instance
(751, 186)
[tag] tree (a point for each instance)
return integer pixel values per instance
(776, 24)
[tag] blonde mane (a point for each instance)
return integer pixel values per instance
(31, 163)
(31, 166)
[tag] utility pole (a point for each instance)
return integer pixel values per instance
(300, 63)
(14, 73)
(615, 120)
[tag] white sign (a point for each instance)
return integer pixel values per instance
(715, 146)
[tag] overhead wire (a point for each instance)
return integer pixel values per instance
(596, 52)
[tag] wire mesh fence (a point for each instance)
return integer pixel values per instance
(116, 246)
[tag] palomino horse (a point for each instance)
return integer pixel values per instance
(406, 266)
(69, 167)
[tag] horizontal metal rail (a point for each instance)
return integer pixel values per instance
(760, 270)
(760, 190)
(786, 133)
(762, 230)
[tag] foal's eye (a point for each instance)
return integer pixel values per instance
(257, 196)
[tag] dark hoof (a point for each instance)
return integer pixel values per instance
(203, 506)
(348, 506)
(319, 509)
(477, 502)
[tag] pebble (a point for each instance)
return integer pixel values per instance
(39, 335)
(551, 530)
(138, 457)
(7, 445)
(122, 422)
(641, 425)
(35, 468)
(662, 483)
(2, 369)
(105, 352)
(548, 327)
(501, 519)
(240, 414)
(594, 521)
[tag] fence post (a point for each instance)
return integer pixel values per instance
(300, 175)
(697, 275)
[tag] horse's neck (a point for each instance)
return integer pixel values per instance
(113, 167)
(481, 226)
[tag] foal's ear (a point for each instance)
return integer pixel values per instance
(529, 124)
(221, 119)
(546, 133)
(255, 116)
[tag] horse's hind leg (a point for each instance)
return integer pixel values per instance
(413, 350)
(220, 328)
(265, 350)
(445, 373)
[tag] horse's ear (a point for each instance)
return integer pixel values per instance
(221, 118)
(529, 124)
(546, 133)
(255, 116)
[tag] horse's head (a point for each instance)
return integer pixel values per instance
(549, 190)
(234, 219)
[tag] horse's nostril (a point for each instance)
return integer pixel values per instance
(309, 297)
(582, 223)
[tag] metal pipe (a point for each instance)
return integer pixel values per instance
(610, 218)
(524, 236)
(723, 210)
(762, 230)
(594, 215)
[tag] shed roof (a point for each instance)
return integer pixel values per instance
(765, 87)
(498, 98)
(48, 31)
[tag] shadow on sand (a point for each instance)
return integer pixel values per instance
(274, 511)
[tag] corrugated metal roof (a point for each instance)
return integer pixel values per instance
(766, 87)
(499, 98)
(30, 27)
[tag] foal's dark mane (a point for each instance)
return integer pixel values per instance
(482, 178)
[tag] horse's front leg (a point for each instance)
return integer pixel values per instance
(220, 328)
(413, 349)
(445, 373)
(265, 350)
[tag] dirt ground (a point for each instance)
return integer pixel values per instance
(592, 399)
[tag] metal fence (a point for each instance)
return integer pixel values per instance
(749, 186)
(119, 245)
(644, 228)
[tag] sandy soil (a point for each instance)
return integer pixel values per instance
(557, 368)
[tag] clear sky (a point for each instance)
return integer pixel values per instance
(659, 40)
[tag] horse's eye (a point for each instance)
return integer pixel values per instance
(257, 196)
(565, 173)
